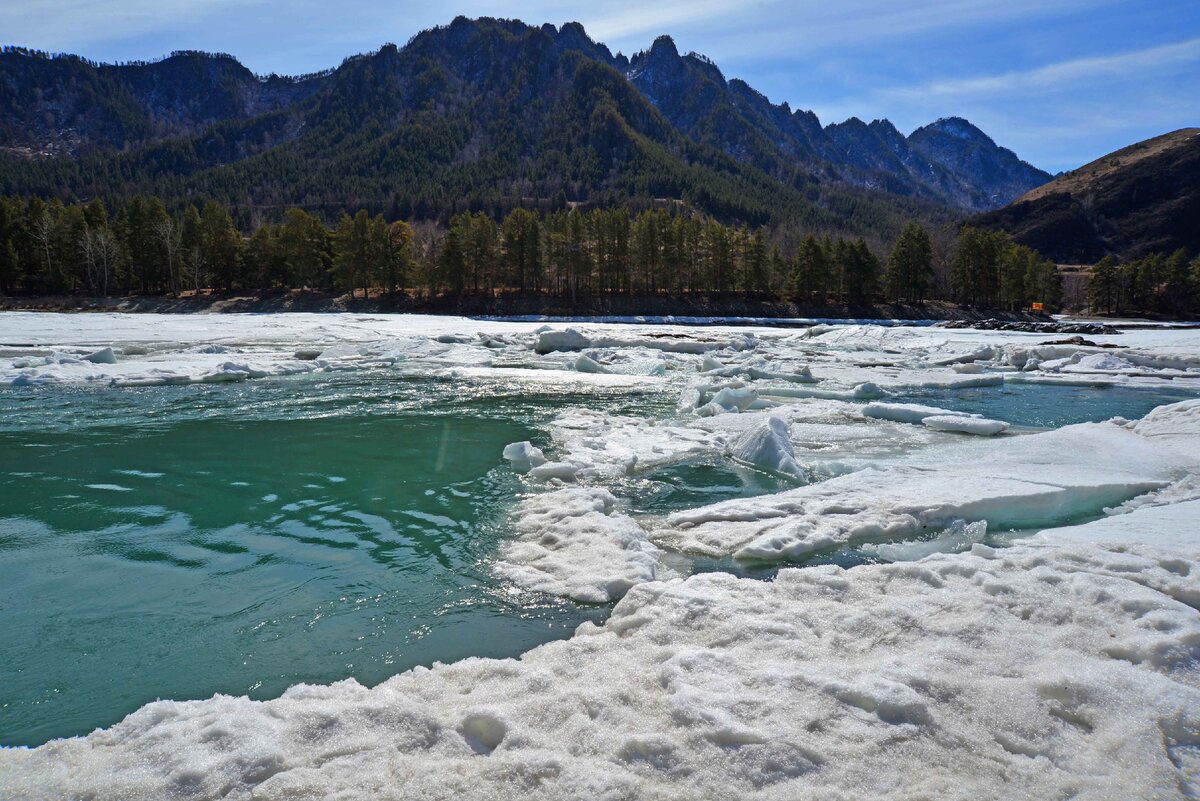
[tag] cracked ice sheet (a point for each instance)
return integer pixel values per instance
(1055, 668)
(829, 438)
(832, 437)
(553, 376)
(153, 348)
(603, 444)
(1153, 354)
(1018, 482)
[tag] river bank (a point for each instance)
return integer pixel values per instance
(509, 306)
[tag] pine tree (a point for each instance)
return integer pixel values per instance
(1102, 286)
(1178, 289)
(908, 274)
(303, 248)
(398, 261)
(221, 243)
(810, 271)
(352, 252)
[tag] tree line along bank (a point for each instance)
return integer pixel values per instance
(83, 248)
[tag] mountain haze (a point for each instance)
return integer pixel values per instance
(479, 113)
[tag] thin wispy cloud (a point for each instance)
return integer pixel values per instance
(1126, 65)
(814, 27)
(649, 20)
(81, 24)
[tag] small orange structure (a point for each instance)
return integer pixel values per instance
(1039, 307)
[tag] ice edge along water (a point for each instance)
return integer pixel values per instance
(1065, 665)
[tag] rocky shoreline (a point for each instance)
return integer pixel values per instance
(1032, 326)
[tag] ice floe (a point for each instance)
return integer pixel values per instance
(1023, 482)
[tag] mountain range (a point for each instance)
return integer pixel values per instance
(483, 113)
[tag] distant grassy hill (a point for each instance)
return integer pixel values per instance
(1141, 199)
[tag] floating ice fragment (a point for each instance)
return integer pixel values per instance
(570, 339)
(102, 356)
(802, 376)
(862, 391)
(586, 364)
(767, 446)
(573, 544)
(914, 413)
(563, 471)
(728, 399)
(965, 425)
(986, 353)
(524, 455)
(958, 536)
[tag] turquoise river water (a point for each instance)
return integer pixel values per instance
(175, 542)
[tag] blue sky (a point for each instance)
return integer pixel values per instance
(1061, 82)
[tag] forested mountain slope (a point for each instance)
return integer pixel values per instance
(484, 114)
(1141, 199)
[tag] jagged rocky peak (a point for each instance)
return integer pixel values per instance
(572, 36)
(884, 127)
(664, 47)
(956, 127)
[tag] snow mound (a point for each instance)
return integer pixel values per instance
(571, 543)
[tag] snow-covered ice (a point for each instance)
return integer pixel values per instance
(571, 542)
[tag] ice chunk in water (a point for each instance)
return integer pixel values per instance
(767, 446)
(586, 364)
(572, 543)
(524, 455)
(102, 356)
(570, 339)
(958, 536)
(728, 399)
(914, 413)
(965, 425)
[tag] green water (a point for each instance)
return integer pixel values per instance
(176, 542)
(1038, 405)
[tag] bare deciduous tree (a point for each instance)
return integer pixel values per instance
(168, 233)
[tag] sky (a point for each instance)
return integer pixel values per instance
(1060, 82)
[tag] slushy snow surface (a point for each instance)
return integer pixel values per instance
(964, 663)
